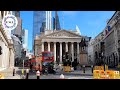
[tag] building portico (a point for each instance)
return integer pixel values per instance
(59, 43)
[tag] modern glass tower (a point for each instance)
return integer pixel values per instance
(56, 22)
(38, 19)
(41, 22)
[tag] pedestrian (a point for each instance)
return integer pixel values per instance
(31, 66)
(39, 67)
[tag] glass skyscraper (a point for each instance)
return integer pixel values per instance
(41, 21)
(56, 22)
(39, 18)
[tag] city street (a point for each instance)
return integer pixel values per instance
(45, 45)
(77, 74)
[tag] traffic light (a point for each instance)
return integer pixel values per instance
(0, 50)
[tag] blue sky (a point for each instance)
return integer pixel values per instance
(90, 23)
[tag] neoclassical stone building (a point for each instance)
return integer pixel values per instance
(59, 42)
(6, 44)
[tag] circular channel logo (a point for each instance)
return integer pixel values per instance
(9, 22)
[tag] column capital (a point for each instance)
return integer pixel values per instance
(72, 42)
(54, 42)
(60, 42)
(78, 42)
(66, 42)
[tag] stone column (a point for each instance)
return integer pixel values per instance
(60, 52)
(42, 46)
(78, 52)
(48, 46)
(54, 52)
(72, 50)
(66, 46)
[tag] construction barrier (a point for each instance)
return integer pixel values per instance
(110, 73)
(116, 74)
(104, 76)
(67, 69)
(2, 76)
(99, 68)
(96, 74)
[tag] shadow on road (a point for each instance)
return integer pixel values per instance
(19, 72)
(75, 74)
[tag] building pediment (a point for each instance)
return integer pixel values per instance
(62, 34)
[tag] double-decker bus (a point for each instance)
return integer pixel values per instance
(46, 60)
(47, 56)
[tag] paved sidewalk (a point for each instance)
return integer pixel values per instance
(1, 69)
(8, 73)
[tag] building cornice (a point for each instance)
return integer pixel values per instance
(8, 41)
(4, 35)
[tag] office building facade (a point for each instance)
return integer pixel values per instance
(42, 20)
(25, 39)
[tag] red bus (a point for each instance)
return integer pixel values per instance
(46, 59)
(47, 56)
(47, 62)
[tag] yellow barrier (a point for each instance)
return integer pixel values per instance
(99, 68)
(1, 76)
(67, 68)
(111, 74)
(108, 74)
(96, 74)
(116, 74)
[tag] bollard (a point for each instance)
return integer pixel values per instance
(27, 73)
(13, 72)
(62, 76)
(92, 68)
(83, 68)
(38, 74)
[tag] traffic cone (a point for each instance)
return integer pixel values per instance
(62, 76)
